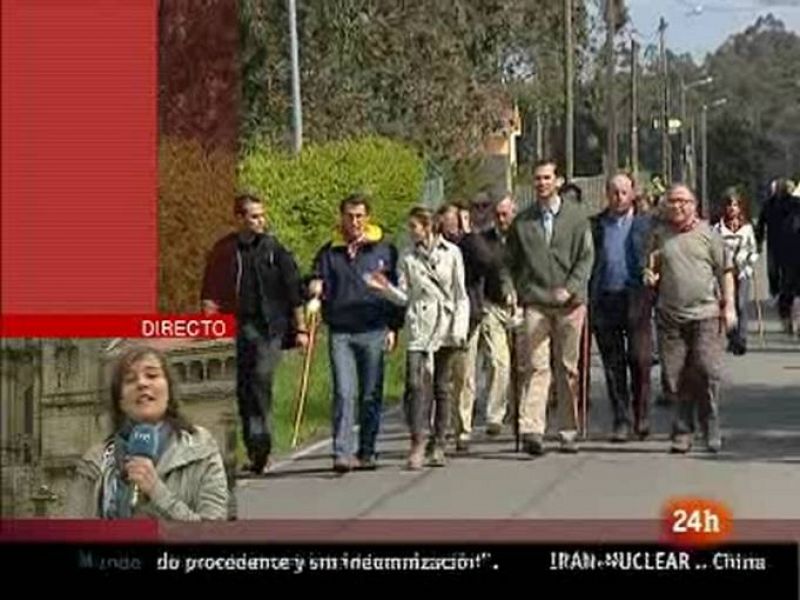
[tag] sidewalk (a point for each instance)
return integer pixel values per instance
(756, 475)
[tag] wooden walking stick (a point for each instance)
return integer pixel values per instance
(585, 367)
(515, 392)
(300, 400)
(759, 313)
(513, 341)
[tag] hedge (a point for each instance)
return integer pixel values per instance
(303, 193)
(195, 206)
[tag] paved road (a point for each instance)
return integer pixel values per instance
(757, 475)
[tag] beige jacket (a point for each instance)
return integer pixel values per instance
(432, 287)
(192, 486)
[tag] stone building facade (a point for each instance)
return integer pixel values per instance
(55, 406)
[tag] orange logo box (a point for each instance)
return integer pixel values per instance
(696, 522)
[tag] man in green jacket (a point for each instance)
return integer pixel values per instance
(549, 258)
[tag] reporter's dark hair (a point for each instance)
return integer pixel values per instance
(124, 362)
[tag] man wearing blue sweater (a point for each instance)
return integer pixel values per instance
(362, 326)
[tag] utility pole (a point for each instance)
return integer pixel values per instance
(634, 109)
(539, 134)
(693, 154)
(569, 130)
(706, 197)
(297, 109)
(704, 178)
(685, 87)
(666, 158)
(683, 131)
(611, 141)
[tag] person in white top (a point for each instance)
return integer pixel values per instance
(432, 287)
(737, 231)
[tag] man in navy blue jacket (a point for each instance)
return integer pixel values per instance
(361, 327)
(621, 307)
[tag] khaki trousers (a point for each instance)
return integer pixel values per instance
(543, 326)
(490, 338)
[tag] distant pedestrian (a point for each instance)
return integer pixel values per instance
(769, 226)
(739, 236)
(572, 193)
(790, 291)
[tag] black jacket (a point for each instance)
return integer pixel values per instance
(278, 278)
(772, 219)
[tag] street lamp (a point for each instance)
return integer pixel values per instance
(685, 87)
(704, 134)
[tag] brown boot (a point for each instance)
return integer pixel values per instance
(416, 457)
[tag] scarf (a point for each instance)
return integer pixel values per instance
(687, 226)
(117, 492)
(733, 223)
(354, 246)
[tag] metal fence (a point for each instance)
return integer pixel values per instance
(592, 187)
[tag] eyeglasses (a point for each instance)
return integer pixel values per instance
(678, 201)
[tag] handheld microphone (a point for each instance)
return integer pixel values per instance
(143, 441)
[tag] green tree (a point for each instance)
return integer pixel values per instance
(436, 74)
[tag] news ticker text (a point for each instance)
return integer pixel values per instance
(601, 562)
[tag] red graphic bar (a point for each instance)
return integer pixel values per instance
(79, 161)
(126, 326)
(65, 530)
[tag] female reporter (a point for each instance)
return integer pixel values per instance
(183, 481)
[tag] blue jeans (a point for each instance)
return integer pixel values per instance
(257, 356)
(357, 364)
(737, 339)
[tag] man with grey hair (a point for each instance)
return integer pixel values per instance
(621, 307)
(490, 335)
(692, 274)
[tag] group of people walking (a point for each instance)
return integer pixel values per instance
(483, 282)
(479, 280)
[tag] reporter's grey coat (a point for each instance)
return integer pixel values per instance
(192, 486)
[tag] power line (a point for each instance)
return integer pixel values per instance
(698, 8)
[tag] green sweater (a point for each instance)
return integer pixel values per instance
(536, 269)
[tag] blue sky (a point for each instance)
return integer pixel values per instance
(704, 31)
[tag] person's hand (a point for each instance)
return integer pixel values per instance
(377, 281)
(210, 307)
(561, 295)
(650, 277)
(302, 339)
(511, 301)
(466, 224)
(315, 288)
(391, 340)
(142, 473)
(730, 318)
